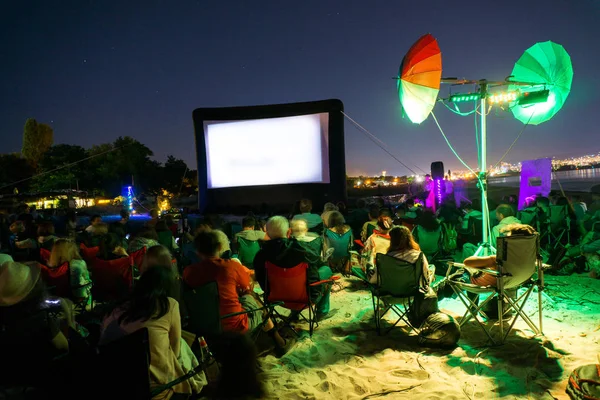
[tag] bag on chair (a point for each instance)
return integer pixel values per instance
(584, 383)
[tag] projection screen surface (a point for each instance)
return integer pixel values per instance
(270, 151)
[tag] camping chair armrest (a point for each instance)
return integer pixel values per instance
(82, 286)
(267, 307)
(472, 270)
(330, 280)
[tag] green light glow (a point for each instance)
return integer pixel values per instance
(549, 65)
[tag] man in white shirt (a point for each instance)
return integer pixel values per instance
(506, 216)
(95, 220)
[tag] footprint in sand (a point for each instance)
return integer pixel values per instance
(321, 375)
(416, 374)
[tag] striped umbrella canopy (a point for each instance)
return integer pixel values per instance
(419, 78)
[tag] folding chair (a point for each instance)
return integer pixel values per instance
(247, 250)
(204, 316)
(341, 244)
(58, 281)
(121, 367)
(44, 255)
(398, 282)
(527, 216)
(165, 238)
(113, 279)
(518, 260)
(475, 230)
(318, 229)
(290, 286)
(560, 225)
(88, 253)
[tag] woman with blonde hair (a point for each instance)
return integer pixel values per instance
(66, 251)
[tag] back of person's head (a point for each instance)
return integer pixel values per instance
(108, 244)
(401, 239)
(208, 243)
(374, 211)
(298, 227)
(149, 299)
(238, 377)
(428, 221)
(305, 206)
(223, 239)
(505, 210)
(161, 226)
(147, 233)
(45, 229)
(169, 220)
(95, 219)
(361, 203)
(562, 201)
(410, 202)
(336, 222)
(153, 213)
(329, 207)
(543, 202)
(385, 212)
(249, 222)
(465, 205)
(384, 223)
(157, 256)
(124, 214)
(63, 251)
(278, 227)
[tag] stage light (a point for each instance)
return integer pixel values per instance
(540, 96)
(462, 97)
(503, 97)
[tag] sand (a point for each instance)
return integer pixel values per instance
(346, 359)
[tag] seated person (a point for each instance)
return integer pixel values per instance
(413, 211)
(300, 231)
(66, 251)
(312, 220)
(147, 238)
(95, 220)
(471, 210)
(151, 306)
(489, 262)
(248, 231)
(327, 210)
(45, 235)
(111, 248)
(153, 214)
(373, 216)
(590, 250)
(19, 238)
(121, 227)
(235, 288)
(448, 213)
(95, 235)
(289, 253)
(404, 247)
(378, 242)
(338, 242)
(505, 217)
(428, 233)
(161, 226)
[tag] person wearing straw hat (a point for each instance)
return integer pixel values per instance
(22, 294)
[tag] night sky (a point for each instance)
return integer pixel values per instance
(96, 70)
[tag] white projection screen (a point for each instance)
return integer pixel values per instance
(264, 158)
(270, 151)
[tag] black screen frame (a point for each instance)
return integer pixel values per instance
(239, 200)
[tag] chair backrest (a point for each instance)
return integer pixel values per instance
(58, 279)
(315, 246)
(112, 279)
(341, 243)
(527, 216)
(398, 278)
(202, 304)
(45, 255)
(165, 238)
(429, 241)
(558, 217)
(517, 256)
(47, 245)
(476, 229)
(137, 257)
(247, 250)
(88, 253)
(289, 285)
(121, 368)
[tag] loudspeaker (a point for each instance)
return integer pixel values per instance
(437, 170)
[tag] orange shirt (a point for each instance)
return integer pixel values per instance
(232, 279)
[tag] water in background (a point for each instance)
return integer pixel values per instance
(577, 180)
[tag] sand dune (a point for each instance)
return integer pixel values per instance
(346, 359)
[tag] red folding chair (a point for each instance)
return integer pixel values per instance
(57, 279)
(290, 286)
(45, 255)
(112, 279)
(88, 253)
(137, 257)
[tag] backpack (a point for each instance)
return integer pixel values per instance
(584, 383)
(449, 238)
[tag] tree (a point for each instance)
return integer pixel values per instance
(61, 168)
(14, 168)
(37, 139)
(173, 174)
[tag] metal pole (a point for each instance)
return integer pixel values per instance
(483, 170)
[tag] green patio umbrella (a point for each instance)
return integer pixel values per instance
(549, 66)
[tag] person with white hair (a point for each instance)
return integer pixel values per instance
(286, 252)
(328, 208)
(299, 229)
